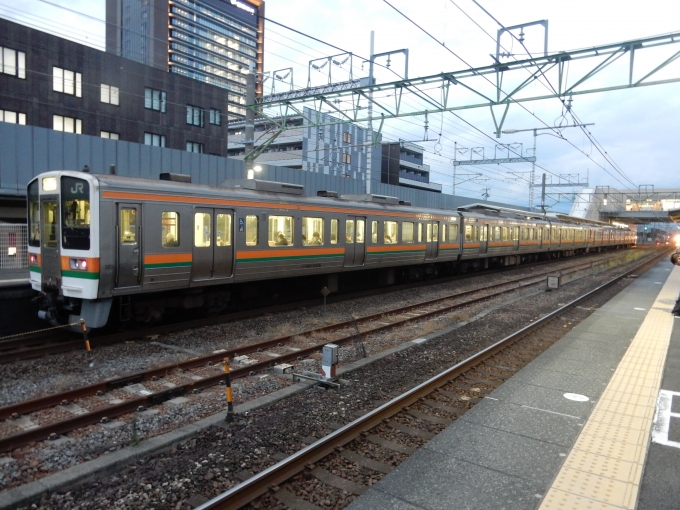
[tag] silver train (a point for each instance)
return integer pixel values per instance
(141, 247)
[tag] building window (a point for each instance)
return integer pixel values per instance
(155, 140)
(13, 62)
(67, 124)
(195, 116)
(110, 94)
(155, 100)
(346, 158)
(347, 138)
(68, 82)
(195, 147)
(12, 117)
(109, 135)
(215, 117)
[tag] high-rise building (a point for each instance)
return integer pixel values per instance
(213, 41)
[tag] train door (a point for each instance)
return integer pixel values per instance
(483, 238)
(128, 245)
(49, 250)
(213, 246)
(355, 241)
(432, 241)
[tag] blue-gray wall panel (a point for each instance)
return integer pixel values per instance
(26, 151)
(84, 151)
(8, 163)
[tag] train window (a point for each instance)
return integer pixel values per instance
(374, 231)
(428, 234)
(252, 223)
(407, 231)
(334, 231)
(391, 234)
(361, 230)
(504, 234)
(202, 226)
(223, 226)
(349, 231)
(33, 214)
(128, 226)
(539, 233)
(483, 233)
(468, 233)
(444, 233)
(495, 234)
(75, 211)
(435, 232)
(170, 229)
(50, 224)
(453, 233)
(420, 232)
(280, 231)
(312, 231)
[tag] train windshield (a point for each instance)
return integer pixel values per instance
(34, 213)
(75, 206)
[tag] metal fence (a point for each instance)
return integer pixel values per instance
(13, 246)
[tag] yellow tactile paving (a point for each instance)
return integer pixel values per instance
(604, 469)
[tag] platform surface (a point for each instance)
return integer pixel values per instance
(526, 446)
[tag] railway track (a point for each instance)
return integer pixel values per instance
(206, 371)
(32, 345)
(418, 413)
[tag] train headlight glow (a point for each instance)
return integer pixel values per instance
(49, 184)
(78, 264)
(33, 259)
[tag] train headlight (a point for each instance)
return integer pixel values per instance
(78, 264)
(49, 184)
(33, 259)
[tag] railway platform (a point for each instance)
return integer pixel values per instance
(592, 423)
(14, 279)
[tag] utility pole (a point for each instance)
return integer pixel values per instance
(250, 121)
(532, 177)
(369, 156)
(455, 151)
(543, 194)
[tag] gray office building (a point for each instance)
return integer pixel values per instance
(212, 41)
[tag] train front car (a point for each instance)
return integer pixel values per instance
(63, 248)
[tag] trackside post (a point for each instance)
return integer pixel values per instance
(230, 404)
(84, 328)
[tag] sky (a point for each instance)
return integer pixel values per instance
(636, 127)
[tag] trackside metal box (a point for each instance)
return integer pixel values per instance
(330, 355)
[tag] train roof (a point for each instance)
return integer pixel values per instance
(285, 193)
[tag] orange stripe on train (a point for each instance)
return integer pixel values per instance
(287, 252)
(167, 258)
(92, 264)
(242, 203)
(396, 247)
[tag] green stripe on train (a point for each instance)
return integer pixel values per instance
(169, 264)
(80, 274)
(396, 252)
(294, 257)
(35, 269)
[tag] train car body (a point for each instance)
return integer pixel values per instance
(151, 245)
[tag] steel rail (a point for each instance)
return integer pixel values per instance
(110, 384)
(14, 441)
(7, 355)
(254, 487)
